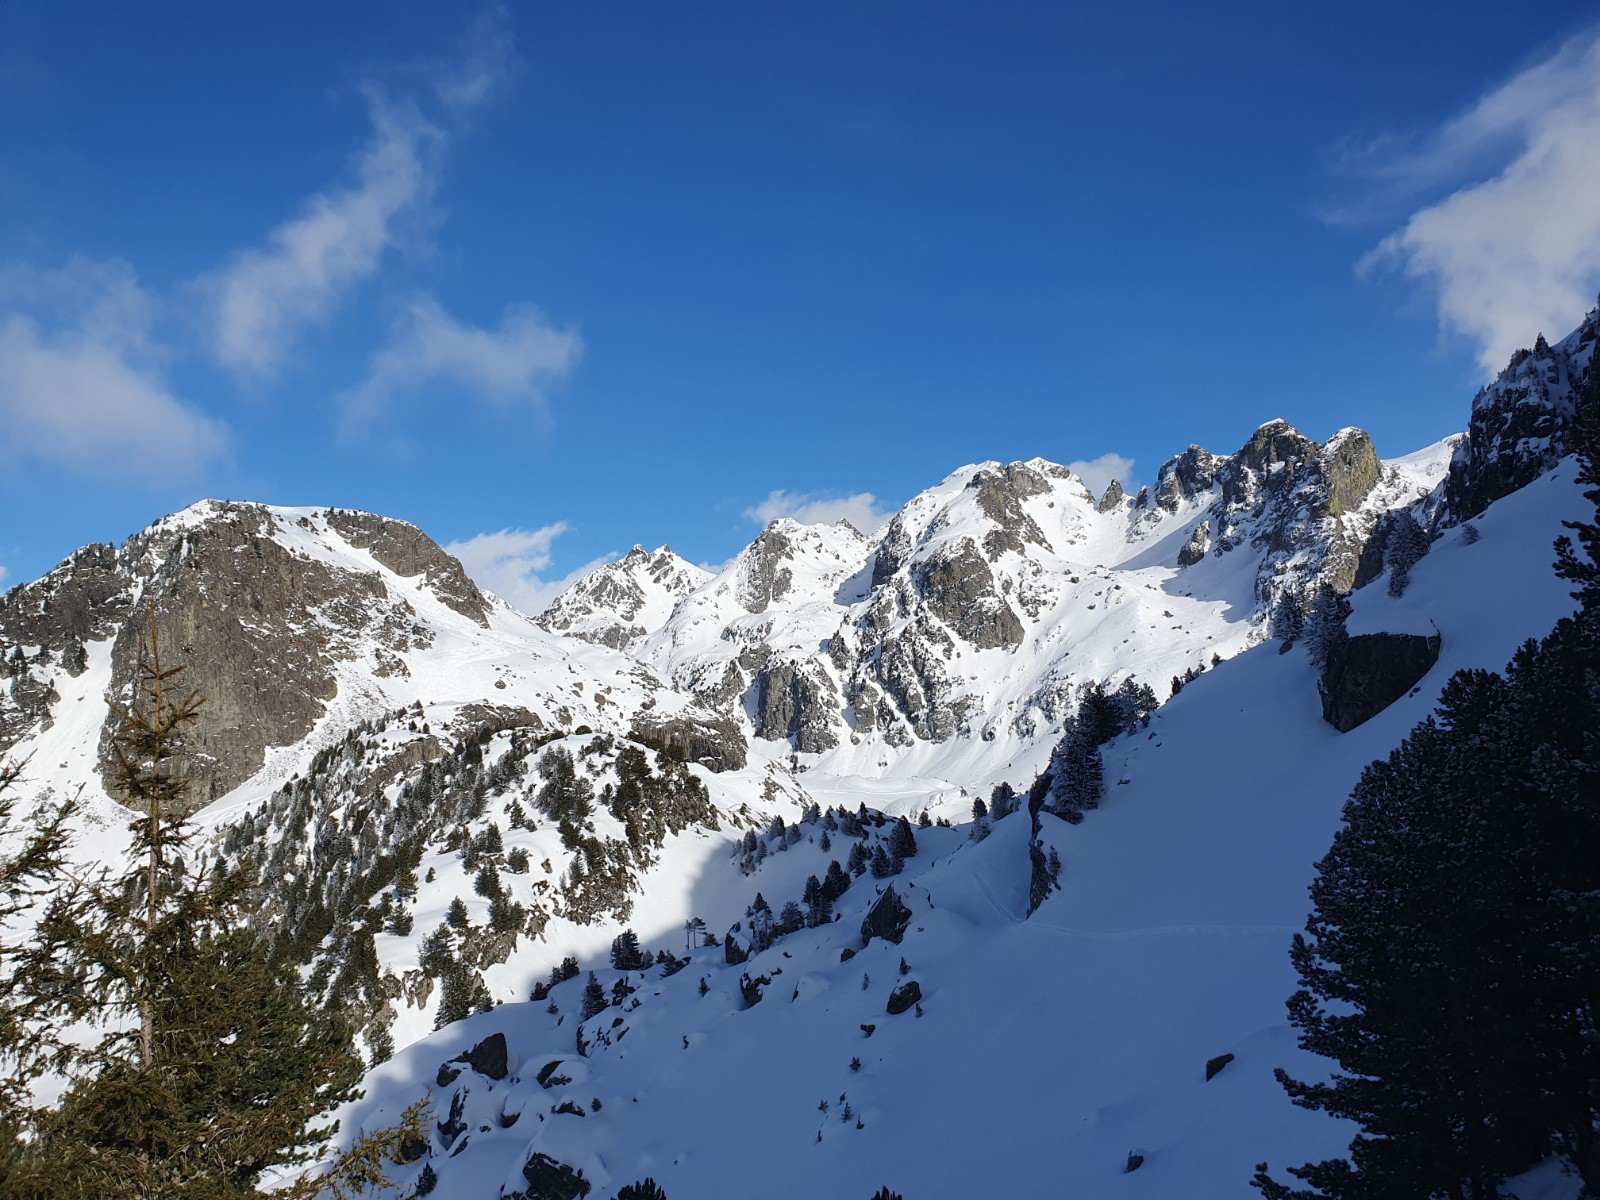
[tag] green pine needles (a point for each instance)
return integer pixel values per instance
(213, 1066)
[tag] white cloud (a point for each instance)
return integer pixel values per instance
(1099, 472)
(2, 574)
(267, 297)
(484, 67)
(514, 364)
(82, 381)
(1514, 250)
(508, 563)
(815, 508)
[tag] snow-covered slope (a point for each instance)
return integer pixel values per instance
(619, 603)
(1046, 1049)
(952, 646)
(389, 741)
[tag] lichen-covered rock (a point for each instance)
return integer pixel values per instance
(887, 918)
(1366, 673)
(1350, 466)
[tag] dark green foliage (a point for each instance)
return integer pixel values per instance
(835, 883)
(456, 915)
(884, 1193)
(626, 954)
(881, 865)
(902, 841)
(216, 1065)
(646, 1190)
(594, 998)
(856, 861)
(1451, 964)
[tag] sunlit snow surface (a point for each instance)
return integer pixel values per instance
(1049, 1048)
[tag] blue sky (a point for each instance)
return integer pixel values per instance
(553, 279)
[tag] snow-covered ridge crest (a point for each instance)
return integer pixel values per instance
(294, 624)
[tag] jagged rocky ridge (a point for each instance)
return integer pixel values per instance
(949, 653)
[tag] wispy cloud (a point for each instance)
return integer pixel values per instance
(83, 382)
(484, 66)
(1513, 249)
(514, 364)
(509, 563)
(267, 297)
(1099, 472)
(817, 508)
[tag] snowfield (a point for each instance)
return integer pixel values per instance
(1048, 1049)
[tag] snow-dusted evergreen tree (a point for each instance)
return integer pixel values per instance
(1406, 544)
(1324, 624)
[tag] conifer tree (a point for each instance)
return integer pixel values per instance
(594, 998)
(1451, 964)
(215, 1065)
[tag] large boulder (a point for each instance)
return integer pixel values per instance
(1366, 673)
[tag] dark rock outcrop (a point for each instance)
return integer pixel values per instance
(713, 742)
(1000, 492)
(887, 918)
(959, 589)
(1214, 1065)
(1522, 422)
(907, 995)
(1197, 545)
(550, 1179)
(764, 574)
(409, 552)
(1113, 496)
(1366, 673)
(1185, 476)
(488, 1057)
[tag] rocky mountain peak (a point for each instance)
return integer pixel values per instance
(1521, 421)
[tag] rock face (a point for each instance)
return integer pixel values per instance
(1521, 423)
(1113, 496)
(887, 918)
(409, 552)
(794, 700)
(959, 589)
(1366, 673)
(1000, 492)
(257, 625)
(765, 574)
(713, 742)
(1197, 545)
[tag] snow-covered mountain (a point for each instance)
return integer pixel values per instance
(450, 799)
